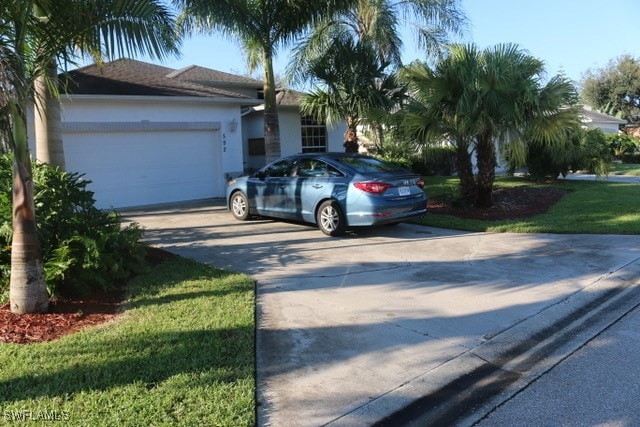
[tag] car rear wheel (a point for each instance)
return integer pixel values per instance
(330, 219)
(240, 206)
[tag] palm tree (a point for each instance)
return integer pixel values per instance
(376, 25)
(483, 98)
(437, 109)
(378, 22)
(28, 292)
(32, 34)
(352, 84)
(511, 104)
(262, 27)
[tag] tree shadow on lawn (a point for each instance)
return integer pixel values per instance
(146, 358)
(143, 350)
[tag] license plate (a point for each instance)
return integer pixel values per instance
(404, 191)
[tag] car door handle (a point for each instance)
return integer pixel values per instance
(317, 186)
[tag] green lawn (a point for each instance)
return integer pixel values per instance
(589, 207)
(625, 169)
(181, 354)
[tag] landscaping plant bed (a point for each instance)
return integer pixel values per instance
(508, 203)
(66, 316)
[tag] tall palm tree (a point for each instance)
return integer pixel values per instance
(480, 98)
(32, 34)
(28, 292)
(261, 27)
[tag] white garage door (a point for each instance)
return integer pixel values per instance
(149, 167)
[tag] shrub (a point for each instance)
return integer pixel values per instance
(434, 161)
(424, 160)
(84, 249)
(622, 146)
(582, 150)
(631, 158)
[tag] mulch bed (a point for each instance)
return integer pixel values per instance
(508, 203)
(66, 316)
(69, 316)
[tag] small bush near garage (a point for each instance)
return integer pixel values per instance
(84, 249)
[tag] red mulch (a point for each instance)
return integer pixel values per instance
(68, 316)
(64, 317)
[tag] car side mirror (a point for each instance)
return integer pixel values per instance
(259, 175)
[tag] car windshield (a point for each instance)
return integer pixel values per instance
(370, 165)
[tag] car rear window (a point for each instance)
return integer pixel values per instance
(370, 165)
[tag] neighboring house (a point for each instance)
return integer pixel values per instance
(147, 134)
(595, 120)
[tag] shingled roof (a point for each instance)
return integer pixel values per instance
(591, 115)
(131, 77)
(288, 97)
(209, 77)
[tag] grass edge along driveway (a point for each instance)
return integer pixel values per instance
(589, 207)
(182, 353)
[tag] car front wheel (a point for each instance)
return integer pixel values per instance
(240, 206)
(330, 219)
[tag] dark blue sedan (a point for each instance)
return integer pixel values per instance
(333, 190)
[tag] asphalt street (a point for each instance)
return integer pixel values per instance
(597, 385)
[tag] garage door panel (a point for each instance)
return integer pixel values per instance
(138, 195)
(138, 168)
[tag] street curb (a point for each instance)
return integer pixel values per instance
(465, 389)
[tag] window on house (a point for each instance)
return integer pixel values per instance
(314, 136)
(256, 147)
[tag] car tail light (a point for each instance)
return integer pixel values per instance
(420, 183)
(372, 187)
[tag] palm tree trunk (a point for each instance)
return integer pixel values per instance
(271, 121)
(486, 156)
(351, 144)
(48, 124)
(464, 169)
(27, 288)
(380, 133)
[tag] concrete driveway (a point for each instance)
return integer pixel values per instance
(353, 329)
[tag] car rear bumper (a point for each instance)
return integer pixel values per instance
(387, 214)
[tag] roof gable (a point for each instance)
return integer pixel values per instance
(131, 77)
